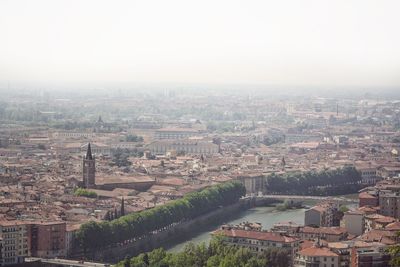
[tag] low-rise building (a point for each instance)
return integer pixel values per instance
(330, 234)
(316, 256)
(259, 241)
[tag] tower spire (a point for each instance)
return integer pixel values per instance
(89, 152)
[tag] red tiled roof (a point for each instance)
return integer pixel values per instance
(366, 195)
(324, 230)
(317, 252)
(395, 226)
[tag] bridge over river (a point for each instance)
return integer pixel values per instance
(300, 198)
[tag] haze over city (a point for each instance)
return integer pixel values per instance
(199, 133)
(287, 43)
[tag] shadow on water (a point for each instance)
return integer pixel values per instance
(266, 215)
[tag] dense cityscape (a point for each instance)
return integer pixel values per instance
(105, 177)
(181, 133)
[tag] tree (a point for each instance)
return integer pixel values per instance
(277, 257)
(120, 158)
(127, 262)
(215, 254)
(84, 193)
(137, 224)
(394, 252)
(327, 182)
(133, 138)
(343, 208)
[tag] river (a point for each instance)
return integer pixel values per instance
(267, 216)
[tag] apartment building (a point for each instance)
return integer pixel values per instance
(371, 256)
(322, 214)
(316, 256)
(20, 239)
(389, 203)
(48, 239)
(15, 242)
(330, 234)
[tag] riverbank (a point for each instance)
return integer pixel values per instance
(173, 235)
(266, 215)
(198, 230)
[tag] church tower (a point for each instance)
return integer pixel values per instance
(89, 169)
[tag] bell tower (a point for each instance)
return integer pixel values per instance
(89, 169)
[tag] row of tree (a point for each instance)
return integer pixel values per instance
(94, 235)
(215, 254)
(328, 182)
(84, 193)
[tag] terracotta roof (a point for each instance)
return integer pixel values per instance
(324, 230)
(318, 252)
(385, 220)
(383, 236)
(266, 236)
(366, 195)
(395, 226)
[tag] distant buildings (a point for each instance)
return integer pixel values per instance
(175, 133)
(186, 146)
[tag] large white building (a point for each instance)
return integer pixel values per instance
(186, 146)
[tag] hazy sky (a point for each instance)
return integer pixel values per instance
(299, 42)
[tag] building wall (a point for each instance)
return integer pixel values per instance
(389, 204)
(301, 261)
(312, 217)
(373, 202)
(15, 239)
(354, 223)
(51, 240)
